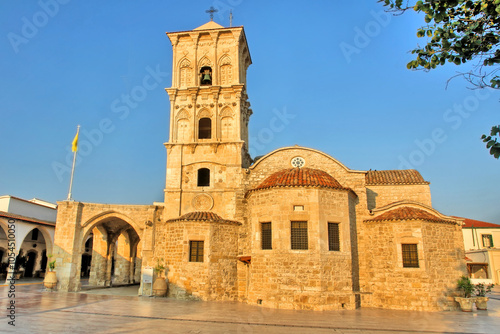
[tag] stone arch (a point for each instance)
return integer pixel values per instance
(99, 218)
(204, 61)
(226, 112)
(204, 113)
(40, 256)
(182, 114)
(224, 60)
(114, 236)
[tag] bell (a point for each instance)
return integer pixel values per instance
(206, 78)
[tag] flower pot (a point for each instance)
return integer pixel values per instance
(465, 303)
(50, 280)
(481, 303)
(160, 287)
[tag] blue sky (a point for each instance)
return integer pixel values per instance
(338, 67)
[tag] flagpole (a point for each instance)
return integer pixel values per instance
(75, 149)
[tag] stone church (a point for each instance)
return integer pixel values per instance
(294, 229)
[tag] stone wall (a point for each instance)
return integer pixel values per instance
(315, 278)
(384, 281)
(212, 279)
(379, 196)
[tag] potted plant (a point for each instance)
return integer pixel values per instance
(466, 288)
(481, 299)
(160, 285)
(50, 280)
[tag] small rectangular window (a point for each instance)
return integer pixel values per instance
(410, 255)
(299, 235)
(298, 208)
(266, 236)
(34, 235)
(487, 240)
(333, 237)
(196, 251)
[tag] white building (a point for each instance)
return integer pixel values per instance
(26, 232)
(482, 249)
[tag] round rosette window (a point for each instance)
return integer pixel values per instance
(298, 162)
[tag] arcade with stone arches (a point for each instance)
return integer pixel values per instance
(103, 248)
(33, 245)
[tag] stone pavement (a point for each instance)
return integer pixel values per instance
(95, 311)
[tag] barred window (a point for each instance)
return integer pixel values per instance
(333, 237)
(267, 242)
(299, 235)
(410, 255)
(487, 240)
(196, 251)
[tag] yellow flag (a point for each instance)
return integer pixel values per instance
(74, 145)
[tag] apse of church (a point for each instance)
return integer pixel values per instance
(295, 229)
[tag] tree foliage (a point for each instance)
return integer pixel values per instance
(458, 32)
(493, 143)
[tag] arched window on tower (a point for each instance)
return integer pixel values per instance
(185, 73)
(205, 128)
(226, 74)
(203, 177)
(206, 76)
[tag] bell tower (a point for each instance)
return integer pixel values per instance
(209, 113)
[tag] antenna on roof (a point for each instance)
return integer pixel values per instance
(231, 18)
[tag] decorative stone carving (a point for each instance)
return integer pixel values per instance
(205, 113)
(226, 112)
(203, 202)
(182, 114)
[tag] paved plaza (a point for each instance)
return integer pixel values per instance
(120, 310)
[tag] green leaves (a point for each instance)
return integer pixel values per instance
(458, 32)
(492, 143)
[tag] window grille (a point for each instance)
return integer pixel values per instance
(410, 255)
(333, 237)
(487, 240)
(266, 236)
(299, 235)
(196, 251)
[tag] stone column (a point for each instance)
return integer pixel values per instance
(98, 266)
(122, 259)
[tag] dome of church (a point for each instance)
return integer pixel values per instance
(300, 177)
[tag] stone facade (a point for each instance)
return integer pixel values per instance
(295, 229)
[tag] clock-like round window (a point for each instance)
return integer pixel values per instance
(298, 162)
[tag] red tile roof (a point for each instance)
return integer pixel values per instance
(408, 213)
(468, 223)
(202, 216)
(387, 177)
(300, 177)
(26, 219)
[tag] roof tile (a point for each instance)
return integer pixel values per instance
(202, 216)
(390, 177)
(468, 223)
(300, 177)
(408, 213)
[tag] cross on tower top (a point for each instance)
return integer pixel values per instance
(212, 10)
